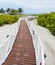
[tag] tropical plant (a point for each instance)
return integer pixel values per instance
(20, 10)
(2, 10)
(8, 10)
(13, 12)
(8, 19)
(48, 21)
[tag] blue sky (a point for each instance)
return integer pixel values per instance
(30, 6)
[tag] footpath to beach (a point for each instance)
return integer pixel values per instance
(23, 49)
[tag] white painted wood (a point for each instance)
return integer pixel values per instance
(6, 47)
(39, 51)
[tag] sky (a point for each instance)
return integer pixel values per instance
(30, 6)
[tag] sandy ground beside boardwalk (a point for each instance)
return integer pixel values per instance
(50, 59)
(48, 41)
(6, 30)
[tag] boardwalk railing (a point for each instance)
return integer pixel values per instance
(6, 47)
(39, 52)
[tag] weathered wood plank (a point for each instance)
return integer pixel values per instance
(23, 50)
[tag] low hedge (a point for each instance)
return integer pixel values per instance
(8, 19)
(47, 21)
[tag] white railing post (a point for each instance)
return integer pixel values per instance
(6, 47)
(39, 52)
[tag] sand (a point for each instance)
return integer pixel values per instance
(6, 30)
(48, 41)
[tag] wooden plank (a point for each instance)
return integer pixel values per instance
(23, 50)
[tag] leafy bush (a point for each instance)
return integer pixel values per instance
(8, 19)
(1, 22)
(48, 21)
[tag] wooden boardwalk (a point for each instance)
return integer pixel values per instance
(23, 50)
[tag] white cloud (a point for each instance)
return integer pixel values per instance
(1, 1)
(33, 4)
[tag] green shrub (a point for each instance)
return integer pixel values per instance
(1, 22)
(48, 21)
(8, 19)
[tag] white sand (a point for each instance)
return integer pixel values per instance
(6, 30)
(48, 40)
(49, 44)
